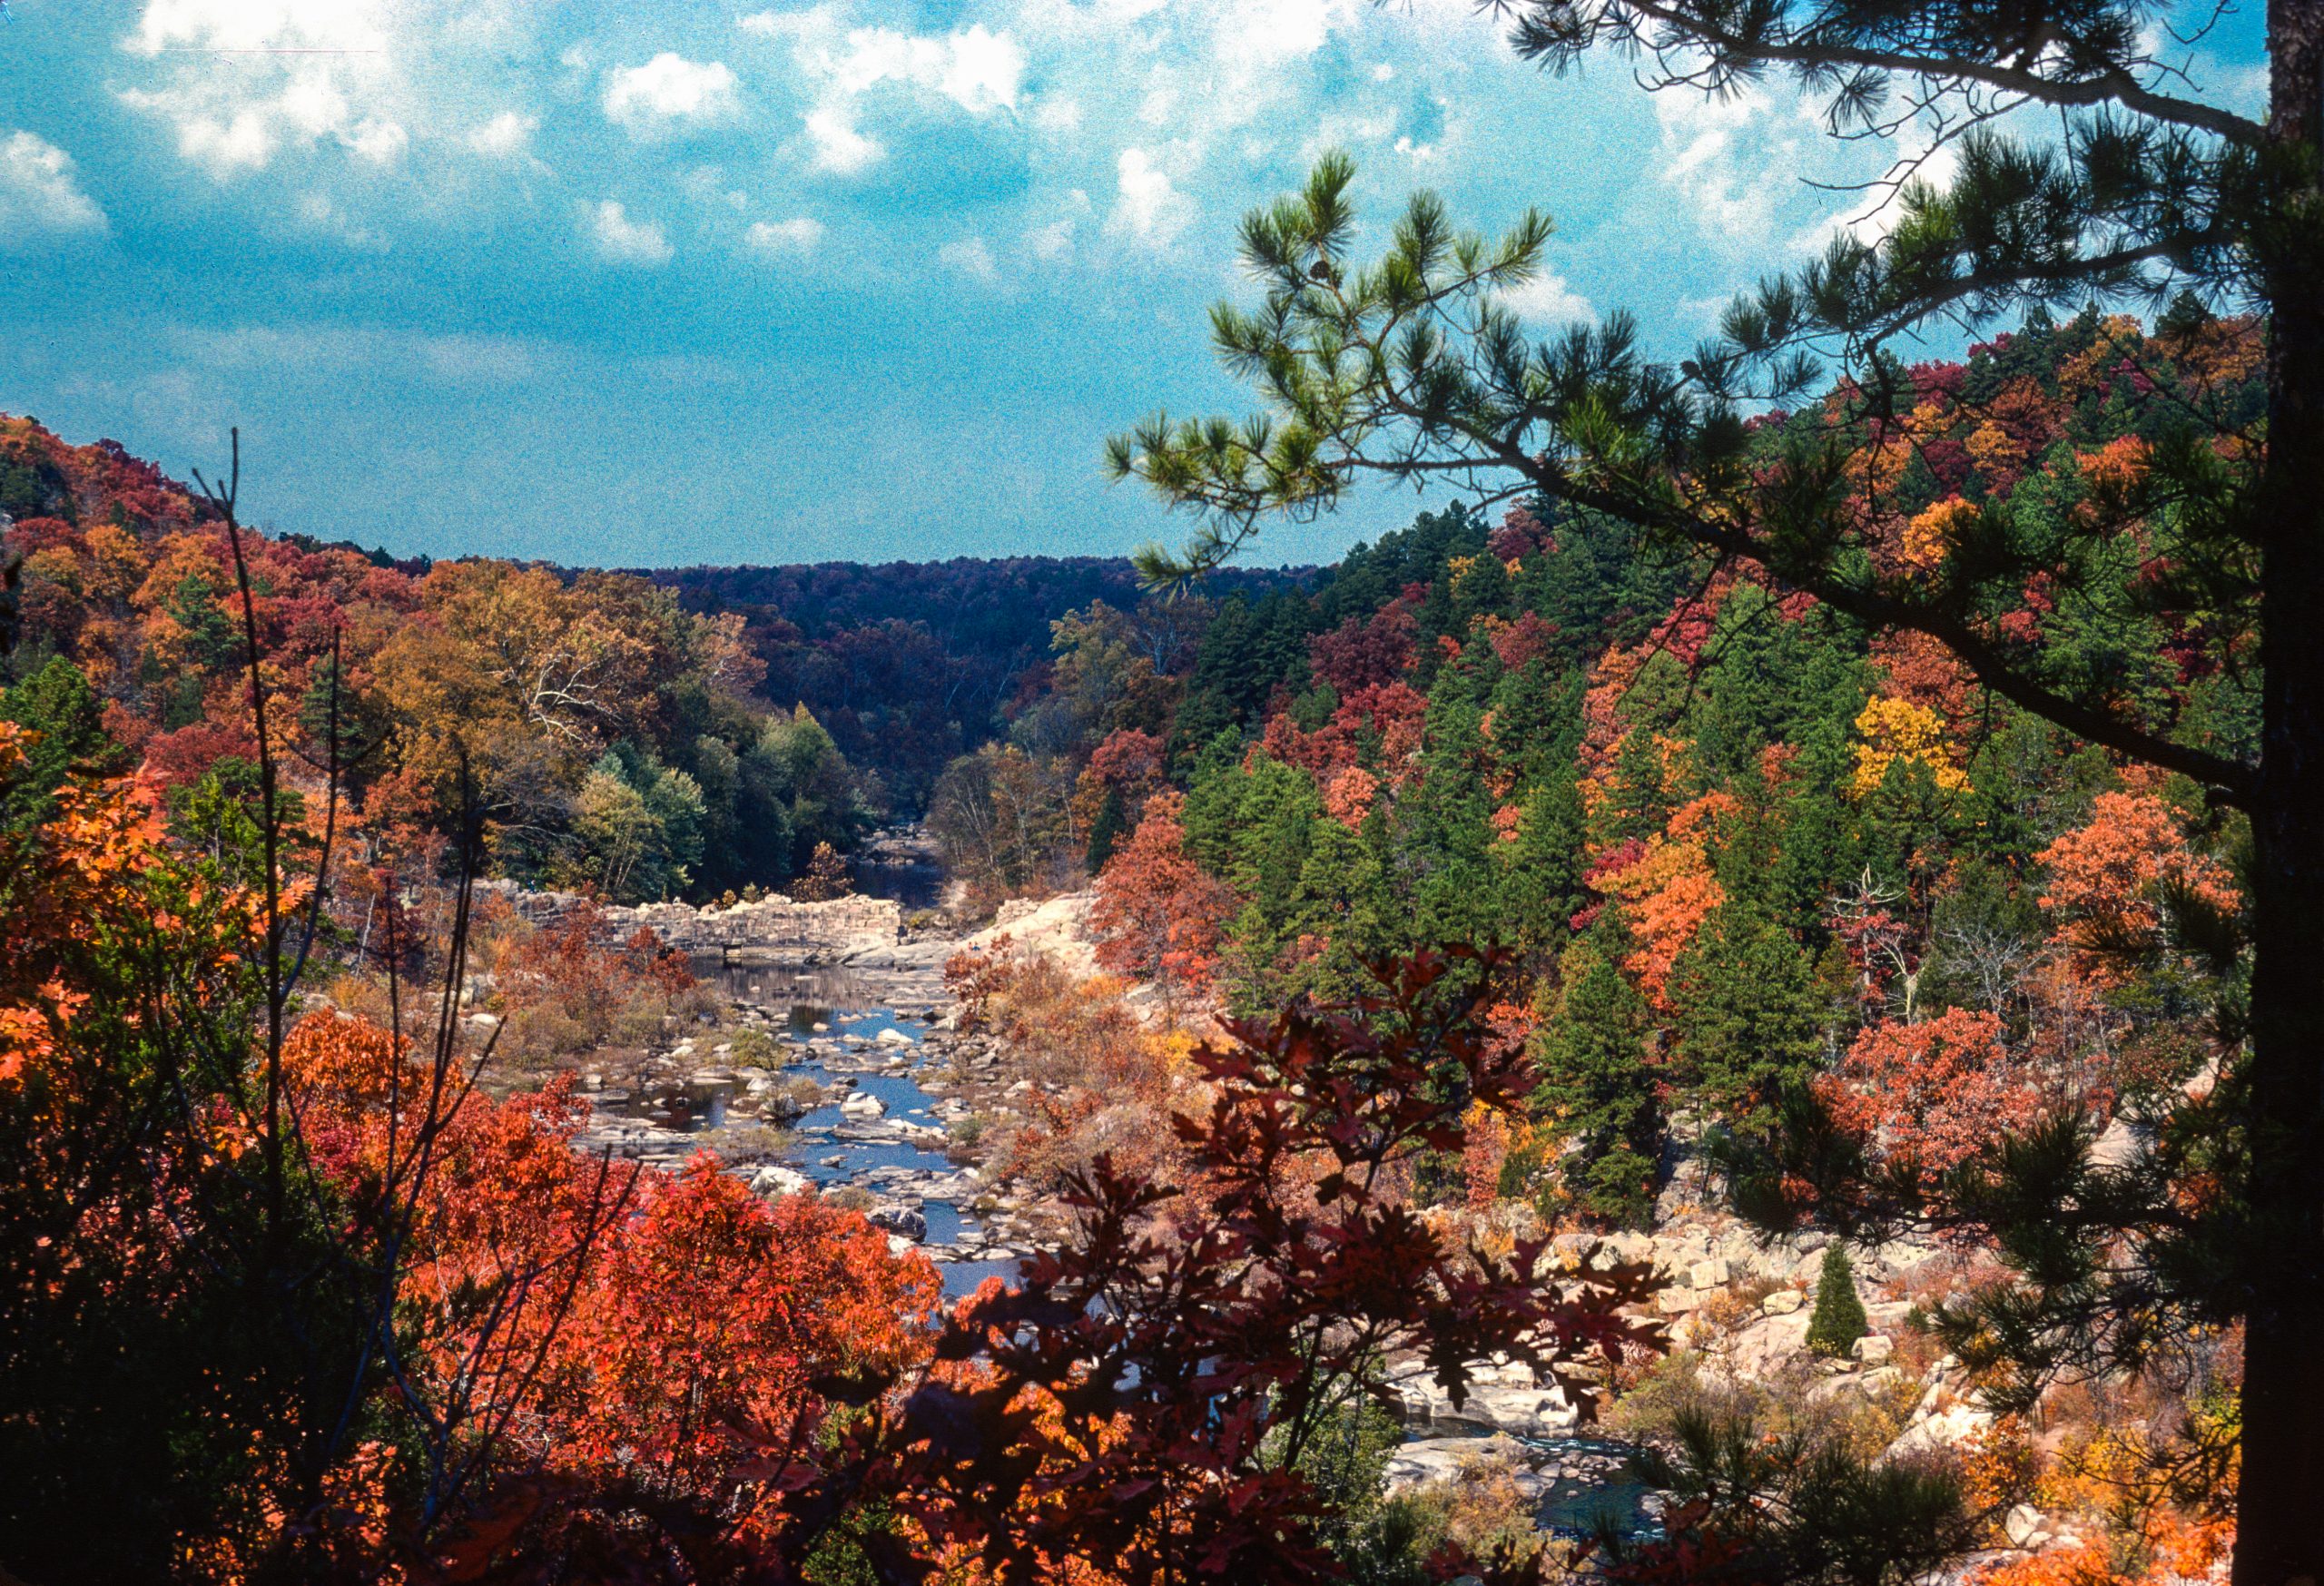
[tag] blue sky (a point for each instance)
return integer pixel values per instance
(649, 284)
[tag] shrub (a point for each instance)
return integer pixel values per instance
(1840, 1319)
(755, 1048)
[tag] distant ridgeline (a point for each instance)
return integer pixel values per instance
(908, 665)
(644, 736)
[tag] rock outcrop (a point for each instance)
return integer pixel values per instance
(775, 925)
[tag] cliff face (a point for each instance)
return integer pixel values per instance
(773, 925)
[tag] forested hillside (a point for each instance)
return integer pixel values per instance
(1802, 901)
(909, 664)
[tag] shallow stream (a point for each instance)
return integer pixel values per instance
(896, 1156)
(829, 1145)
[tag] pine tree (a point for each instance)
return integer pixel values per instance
(1749, 1020)
(1596, 1079)
(1541, 871)
(57, 706)
(2149, 186)
(1104, 830)
(1838, 1320)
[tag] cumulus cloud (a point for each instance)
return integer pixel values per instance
(1149, 208)
(505, 136)
(1547, 303)
(839, 148)
(971, 257)
(977, 70)
(310, 63)
(38, 191)
(670, 89)
(623, 241)
(800, 234)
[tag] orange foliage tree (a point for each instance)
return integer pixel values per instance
(1934, 1092)
(1158, 914)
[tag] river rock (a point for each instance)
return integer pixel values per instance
(776, 1179)
(892, 1037)
(862, 1106)
(908, 1221)
(1440, 1459)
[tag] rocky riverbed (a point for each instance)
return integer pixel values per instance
(809, 1082)
(849, 1080)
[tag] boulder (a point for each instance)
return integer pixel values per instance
(776, 1179)
(908, 1221)
(1441, 1459)
(2022, 1525)
(1710, 1274)
(891, 1037)
(1782, 1302)
(1873, 1349)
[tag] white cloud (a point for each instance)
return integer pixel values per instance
(255, 25)
(382, 143)
(979, 70)
(976, 69)
(800, 234)
(1149, 208)
(971, 257)
(627, 241)
(330, 351)
(839, 147)
(505, 135)
(1058, 115)
(1054, 240)
(1279, 30)
(1547, 303)
(38, 192)
(668, 89)
(224, 147)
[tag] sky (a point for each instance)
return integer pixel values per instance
(654, 284)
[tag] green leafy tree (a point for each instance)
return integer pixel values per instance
(1106, 829)
(1838, 1320)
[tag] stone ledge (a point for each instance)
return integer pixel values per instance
(773, 924)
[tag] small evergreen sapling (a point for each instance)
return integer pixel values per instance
(1839, 1320)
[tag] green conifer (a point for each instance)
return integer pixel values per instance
(1838, 1320)
(1104, 830)
(1595, 1076)
(1749, 1019)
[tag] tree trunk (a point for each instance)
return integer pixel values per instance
(2280, 1505)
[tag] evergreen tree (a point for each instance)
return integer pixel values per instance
(1596, 1081)
(1838, 1320)
(1749, 1021)
(57, 706)
(1343, 899)
(1445, 822)
(1541, 872)
(1637, 806)
(2146, 182)
(1106, 829)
